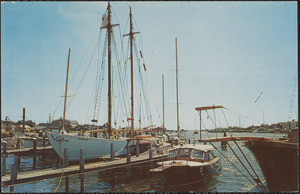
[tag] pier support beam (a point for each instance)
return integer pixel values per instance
(4, 146)
(19, 143)
(34, 152)
(66, 158)
(13, 174)
(128, 154)
(3, 165)
(81, 169)
(67, 184)
(112, 153)
(137, 149)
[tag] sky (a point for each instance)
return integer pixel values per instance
(229, 54)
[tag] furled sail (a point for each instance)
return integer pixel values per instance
(104, 21)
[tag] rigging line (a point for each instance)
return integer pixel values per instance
(83, 57)
(211, 120)
(244, 166)
(242, 115)
(121, 81)
(57, 107)
(101, 88)
(143, 89)
(90, 104)
(279, 112)
(99, 84)
(226, 121)
(89, 64)
(259, 181)
(234, 166)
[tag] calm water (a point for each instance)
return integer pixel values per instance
(228, 180)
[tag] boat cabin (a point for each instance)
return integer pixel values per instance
(197, 152)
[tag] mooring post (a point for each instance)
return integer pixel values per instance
(150, 154)
(151, 157)
(44, 141)
(81, 168)
(66, 158)
(67, 184)
(129, 172)
(128, 154)
(4, 146)
(16, 162)
(112, 153)
(13, 176)
(19, 143)
(3, 165)
(34, 153)
(137, 149)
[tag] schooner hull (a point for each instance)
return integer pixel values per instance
(93, 148)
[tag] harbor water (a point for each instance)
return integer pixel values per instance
(229, 178)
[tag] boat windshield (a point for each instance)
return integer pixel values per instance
(184, 152)
(197, 154)
(173, 153)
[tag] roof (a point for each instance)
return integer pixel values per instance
(202, 147)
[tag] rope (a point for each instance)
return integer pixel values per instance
(226, 121)
(234, 166)
(60, 180)
(258, 180)
(262, 188)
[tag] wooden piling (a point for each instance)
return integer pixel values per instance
(81, 168)
(150, 154)
(129, 172)
(44, 141)
(19, 143)
(112, 153)
(67, 184)
(13, 176)
(137, 149)
(3, 165)
(128, 154)
(66, 158)
(34, 152)
(4, 146)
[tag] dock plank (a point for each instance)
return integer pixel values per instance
(25, 177)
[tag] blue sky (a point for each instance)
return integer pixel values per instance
(228, 53)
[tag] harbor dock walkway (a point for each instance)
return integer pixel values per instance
(36, 175)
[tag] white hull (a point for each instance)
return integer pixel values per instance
(93, 148)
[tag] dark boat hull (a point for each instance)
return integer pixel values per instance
(184, 175)
(279, 163)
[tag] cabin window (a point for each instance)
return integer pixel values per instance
(197, 154)
(206, 158)
(173, 153)
(184, 153)
(211, 156)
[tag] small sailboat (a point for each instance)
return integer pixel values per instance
(93, 145)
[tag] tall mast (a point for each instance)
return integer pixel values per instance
(109, 70)
(131, 33)
(163, 98)
(178, 127)
(109, 32)
(66, 92)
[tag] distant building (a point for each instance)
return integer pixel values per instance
(57, 124)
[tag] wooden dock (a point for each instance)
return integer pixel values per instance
(28, 151)
(26, 177)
